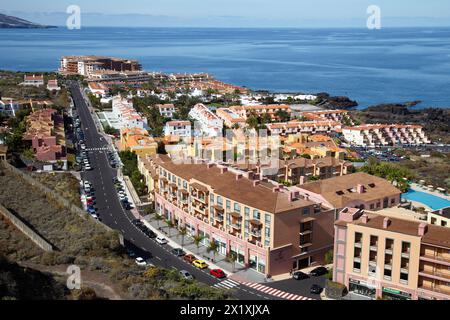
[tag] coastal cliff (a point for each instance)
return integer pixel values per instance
(10, 22)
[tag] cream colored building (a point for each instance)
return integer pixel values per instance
(390, 258)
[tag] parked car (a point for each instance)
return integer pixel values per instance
(300, 275)
(95, 216)
(130, 253)
(178, 252)
(141, 262)
(319, 271)
(186, 275)
(190, 258)
(91, 210)
(161, 240)
(201, 264)
(149, 233)
(218, 273)
(88, 168)
(316, 289)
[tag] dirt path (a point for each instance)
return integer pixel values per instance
(102, 285)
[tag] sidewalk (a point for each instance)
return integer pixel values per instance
(240, 273)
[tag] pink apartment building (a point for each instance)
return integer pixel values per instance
(45, 132)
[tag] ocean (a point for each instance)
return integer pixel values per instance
(371, 67)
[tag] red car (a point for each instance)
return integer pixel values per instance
(218, 273)
(90, 202)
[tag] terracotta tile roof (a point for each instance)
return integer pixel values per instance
(336, 190)
(242, 190)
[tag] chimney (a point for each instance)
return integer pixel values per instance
(256, 183)
(365, 218)
(302, 180)
(223, 170)
(238, 177)
(423, 228)
(360, 188)
(386, 223)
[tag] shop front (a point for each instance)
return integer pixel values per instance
(394, 294)
(362, 288)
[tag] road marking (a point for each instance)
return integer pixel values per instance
(227, 284)
(275, 292)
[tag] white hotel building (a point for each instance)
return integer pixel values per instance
(178, 128)
(385, 135)
(209, 124)
(123, 115)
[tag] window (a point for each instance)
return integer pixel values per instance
(256, 215)
(247, 212)
(372, 206)
(358, 237)
(403, 277)
(305, 211)
(228, 204)
(267, 232)
(267, 243)
(219, 200)
(388, 274)
(211, 198)
(185, 185)
(237, 207)
(356, 266)
(268, 219)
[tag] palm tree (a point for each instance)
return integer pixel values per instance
(183, 233)
(197, 240)
(158, 218)
(170, 224)
(231, 258)
(214, 248)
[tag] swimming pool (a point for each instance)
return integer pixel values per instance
(427, 199)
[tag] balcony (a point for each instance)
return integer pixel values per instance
(236, 226)
(435, 274)
(219, 218)
(256, 233)
(436, 258)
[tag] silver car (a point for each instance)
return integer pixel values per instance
(186, 275)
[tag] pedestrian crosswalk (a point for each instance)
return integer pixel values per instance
(227, 284)
(274, 292)
(97, 149)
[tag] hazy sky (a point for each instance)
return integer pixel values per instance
(240, 12)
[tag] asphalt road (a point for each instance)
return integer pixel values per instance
(113, 215)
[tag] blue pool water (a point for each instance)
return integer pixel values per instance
(429, 200)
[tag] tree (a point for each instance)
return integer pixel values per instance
(170, 224)
(213, 247)
(231, 258)
(197, 241)
(252, 122)
(158, 218)
(183, 232)
(283, 115)
(328, 259)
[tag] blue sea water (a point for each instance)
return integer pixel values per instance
(383, 66)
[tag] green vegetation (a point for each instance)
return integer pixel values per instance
(111, 131)
(78, 241)
(130, 169)
(398, 174)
